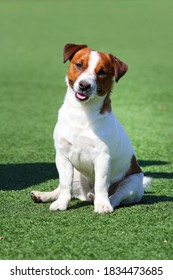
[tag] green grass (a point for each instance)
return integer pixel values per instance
(32, 88)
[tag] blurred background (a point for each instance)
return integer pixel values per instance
(33, 34)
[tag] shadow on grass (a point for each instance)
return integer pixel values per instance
(146, 200)
(152, 162)
(152, 199)
(20, 176)
(156, 175)
(160, 175)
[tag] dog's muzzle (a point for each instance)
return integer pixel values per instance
(84, 91)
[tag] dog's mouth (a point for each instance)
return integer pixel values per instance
(81, 96)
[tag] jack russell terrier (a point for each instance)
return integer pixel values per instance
(94, 156)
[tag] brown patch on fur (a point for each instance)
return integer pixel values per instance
(81, 57)
(109, 66)
(106, 105)
(105, 72)
(120, 68)
(134, 169)
(71, 49)
(104, 80)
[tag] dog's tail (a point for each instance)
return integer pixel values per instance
(146, 182)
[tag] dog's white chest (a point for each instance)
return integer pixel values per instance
(79, 145)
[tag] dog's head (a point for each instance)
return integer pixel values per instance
(90, 72)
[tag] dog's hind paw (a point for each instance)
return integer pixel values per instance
(91, 196)
(36, 197)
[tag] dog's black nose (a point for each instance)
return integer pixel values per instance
(84, 86)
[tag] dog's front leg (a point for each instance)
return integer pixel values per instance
(102, 183)
(65, 170)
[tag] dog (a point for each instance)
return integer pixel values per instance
(94, 156)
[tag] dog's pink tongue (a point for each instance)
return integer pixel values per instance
(81, 96)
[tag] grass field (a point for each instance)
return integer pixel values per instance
(32, 88)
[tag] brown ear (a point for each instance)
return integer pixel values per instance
(120, 68)
(71, 49)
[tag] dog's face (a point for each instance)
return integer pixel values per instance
(90, 72)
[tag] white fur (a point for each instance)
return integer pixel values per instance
(92, 152)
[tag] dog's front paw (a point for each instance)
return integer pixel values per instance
(103, 206)
(59, 204)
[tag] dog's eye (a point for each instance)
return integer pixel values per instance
(79, 66)
(101, 72)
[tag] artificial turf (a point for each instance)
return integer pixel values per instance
(32, 88)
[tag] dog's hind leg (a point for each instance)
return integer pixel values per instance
(45, 196)
(129, 191)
